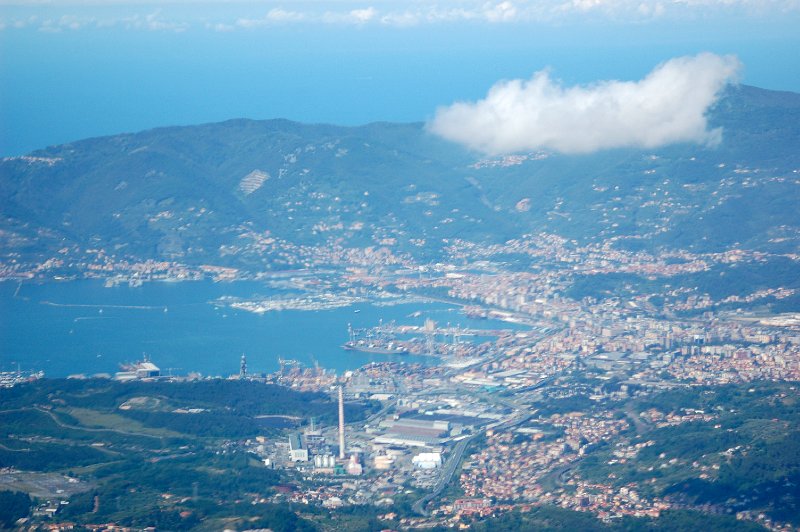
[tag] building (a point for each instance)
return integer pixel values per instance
(147, 370)
(324, 461)
(382, 462)
(297, 453)
(406, 427)
(407, 441)
(353, 466)
(138, 370)
(410, 432)
(427, 460)
(470, 505)
(313, 438)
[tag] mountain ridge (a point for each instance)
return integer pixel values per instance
(397, 185)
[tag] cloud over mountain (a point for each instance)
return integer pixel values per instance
(669, 105)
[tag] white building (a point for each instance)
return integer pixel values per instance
(383, 462)
(297, 453)
(427, 460)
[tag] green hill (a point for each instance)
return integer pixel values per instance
(189, 193)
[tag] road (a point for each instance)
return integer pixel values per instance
(446, 476)
(520, 417)
(454, 459)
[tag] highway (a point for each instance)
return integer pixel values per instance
(449, 467)
(520, 416)
(446, 476)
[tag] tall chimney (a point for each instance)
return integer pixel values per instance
(341, 424)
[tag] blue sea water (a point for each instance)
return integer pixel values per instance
(83, 327)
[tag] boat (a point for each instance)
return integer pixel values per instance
(380, 344)
(364, 347)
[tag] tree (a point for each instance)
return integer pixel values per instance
(13, 505)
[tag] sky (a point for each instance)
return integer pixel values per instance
(72, 69)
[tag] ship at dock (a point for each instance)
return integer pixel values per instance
(372, 343)
(367, 347)
(141, 370)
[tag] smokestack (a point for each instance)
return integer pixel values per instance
(341, 424)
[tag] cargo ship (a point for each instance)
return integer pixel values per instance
(378, 344)
(368, 347)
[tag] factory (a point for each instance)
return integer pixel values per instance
(410, 432)
(427, 460)
(310, 447)
(297, 451)
(324, 462)
(416, 427)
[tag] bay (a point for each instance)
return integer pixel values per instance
(74, 327)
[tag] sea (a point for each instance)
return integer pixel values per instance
(60, 85)
(82, 327)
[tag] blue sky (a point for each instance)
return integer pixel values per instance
(72, 69)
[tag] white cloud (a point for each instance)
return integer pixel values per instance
(401, 19)
(502, 12)
(249, 14)
(277, 16)
(651, 9)
(361, 16)
(669, 105)
(354, 16)
(220, 27)
(248, 23)
(154, 22)
(282, 15)
(274, 16)
(586, 5)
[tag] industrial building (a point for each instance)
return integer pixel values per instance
(354, 466)
(382, 462)
(407, 441)
(410, 432)
(297, 452)
(416, 427)
(427, 460)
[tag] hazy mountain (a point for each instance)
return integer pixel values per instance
(191, 192)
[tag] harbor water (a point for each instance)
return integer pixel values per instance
(82, 327)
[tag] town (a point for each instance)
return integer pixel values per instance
(472, 423)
